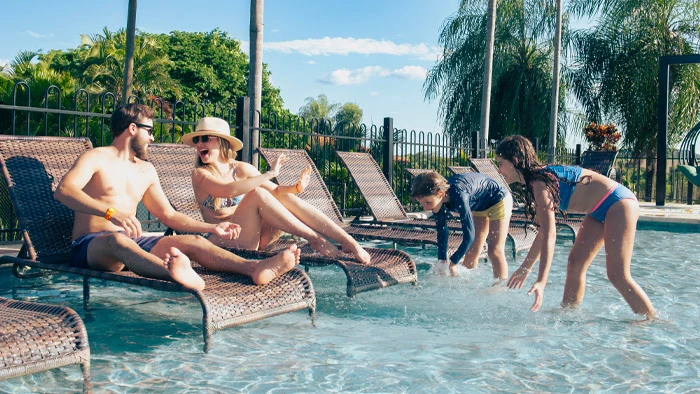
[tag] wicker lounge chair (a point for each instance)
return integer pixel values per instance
(174, 164)
(318, 195)
(571, 223)
(37, 337)
(599, 161)
(460, 169)
(387, 209)
(414, 172)
(33, 167)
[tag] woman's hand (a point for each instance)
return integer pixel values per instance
(538, 290)
(304, 179)
(518, 278)
(277, 165)
(227, 230)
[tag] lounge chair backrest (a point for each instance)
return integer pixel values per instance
(174, 164)
(316, 193)
(460, 169)
(373, 185)
(32, 168)
(414, 172)
(599, 161)
(488, 168)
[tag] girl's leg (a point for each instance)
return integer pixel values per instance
(498, 233)
(620, 229)
(481, 231)
(321, 223)
(268, 236)
(588, 242)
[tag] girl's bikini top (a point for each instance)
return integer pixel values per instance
(225, 202)
(568, 177)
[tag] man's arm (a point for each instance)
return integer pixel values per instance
(70, 191)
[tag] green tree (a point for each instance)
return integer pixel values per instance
(522, 69)
(617, 79)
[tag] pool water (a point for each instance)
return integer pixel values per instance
(446, 335)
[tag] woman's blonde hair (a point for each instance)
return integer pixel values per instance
(428, 184)
(227, 154)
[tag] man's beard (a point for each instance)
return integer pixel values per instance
(140, 150)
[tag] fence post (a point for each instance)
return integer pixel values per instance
(536, 144)
(389, 150)
(475, 144)
(243, 129)
(691, 162)
(578, 155)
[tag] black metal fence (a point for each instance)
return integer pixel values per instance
(394, 149)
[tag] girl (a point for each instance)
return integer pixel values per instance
(612, 212)
(227, 189)
(484, 208)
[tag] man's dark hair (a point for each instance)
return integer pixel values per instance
(125, 115)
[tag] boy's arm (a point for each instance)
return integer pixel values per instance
(467, 221)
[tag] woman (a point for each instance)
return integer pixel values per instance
(227, 189)
(484, 208)
(612, 212)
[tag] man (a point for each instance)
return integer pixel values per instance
(104, 187)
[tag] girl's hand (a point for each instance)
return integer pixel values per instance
(304, 179)
(538, 290)
(518, 278)
(277, 165)
(227, 230)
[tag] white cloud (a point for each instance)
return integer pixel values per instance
(311, 62)
(39, 35)
(374, 93)
(346, 46)
(358, 76)
(4, 63)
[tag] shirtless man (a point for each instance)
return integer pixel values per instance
(104, 187)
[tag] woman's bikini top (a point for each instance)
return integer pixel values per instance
(225, 202)
(568, 177)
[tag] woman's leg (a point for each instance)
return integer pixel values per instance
(260, 206)
(620, 229)
(588, 242)
(321, 223)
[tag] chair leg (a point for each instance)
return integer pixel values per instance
(87, 376)
(86, 292)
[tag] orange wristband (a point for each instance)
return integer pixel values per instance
(110, 212)
(296, 188)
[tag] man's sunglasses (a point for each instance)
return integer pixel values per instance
(146, 127)
(205, 139)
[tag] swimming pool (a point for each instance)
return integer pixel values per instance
(444, 335)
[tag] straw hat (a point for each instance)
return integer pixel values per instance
(215, 127)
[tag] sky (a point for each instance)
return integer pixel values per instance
(374, 53)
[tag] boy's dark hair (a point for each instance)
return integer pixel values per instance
(428, 184)
(125, 115)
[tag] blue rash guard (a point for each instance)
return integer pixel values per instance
(468, 193)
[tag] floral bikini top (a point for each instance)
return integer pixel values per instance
(225, 202)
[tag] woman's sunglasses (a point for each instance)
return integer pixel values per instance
(205, 139)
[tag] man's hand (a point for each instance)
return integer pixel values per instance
(131, 225)
(227, 230)
(538, 290)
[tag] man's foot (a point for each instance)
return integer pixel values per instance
(323, 246)
(270, 268)
(180, 269)
(359, 252)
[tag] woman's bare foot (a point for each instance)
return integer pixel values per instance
(323, 246)
(270, 268)
(180, 269)
(358, 251)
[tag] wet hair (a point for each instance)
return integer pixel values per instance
(125, 115)
(519, 151)
(428, 184)
(226, 153)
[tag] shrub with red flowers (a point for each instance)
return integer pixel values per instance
(602, 136)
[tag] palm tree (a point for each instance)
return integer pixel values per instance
(522, 69)
(617, 76)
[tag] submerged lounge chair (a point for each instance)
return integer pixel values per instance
(572, 222)
(37, 337)
(33, 167)
(174, 164)
(387, 209)
(317, 194)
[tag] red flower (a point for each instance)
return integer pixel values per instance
(602, 137)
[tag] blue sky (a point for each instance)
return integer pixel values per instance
(374, 53)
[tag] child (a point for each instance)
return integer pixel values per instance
(612, 212)
(484, 208)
